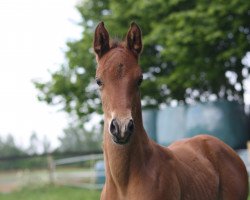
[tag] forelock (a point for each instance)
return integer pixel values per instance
(116, 42)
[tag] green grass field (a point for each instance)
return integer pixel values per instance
(52, 193)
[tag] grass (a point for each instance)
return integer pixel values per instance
(50, 192)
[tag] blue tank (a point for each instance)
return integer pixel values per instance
(223, 119)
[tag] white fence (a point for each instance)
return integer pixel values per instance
(64, 171)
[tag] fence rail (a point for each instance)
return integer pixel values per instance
(77, 159)
(77, 177)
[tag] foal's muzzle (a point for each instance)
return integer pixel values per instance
(121, 130)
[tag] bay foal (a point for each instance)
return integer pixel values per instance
(200, 168)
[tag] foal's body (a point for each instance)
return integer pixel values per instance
(200, 168)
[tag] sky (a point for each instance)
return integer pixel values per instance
(32, 40)
(33, 34)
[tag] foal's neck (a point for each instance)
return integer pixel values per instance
(124, 160)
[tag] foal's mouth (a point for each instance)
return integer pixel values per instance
(122, 140)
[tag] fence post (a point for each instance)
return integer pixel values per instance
(51, 168)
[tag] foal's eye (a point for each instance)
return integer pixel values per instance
(99, 82)
(140, 80)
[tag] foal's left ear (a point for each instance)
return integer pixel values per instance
(133, 39)
(101, 40)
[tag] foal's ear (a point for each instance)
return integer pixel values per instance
(133, 39)
(101, 40)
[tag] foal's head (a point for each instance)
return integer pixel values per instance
(119, 77)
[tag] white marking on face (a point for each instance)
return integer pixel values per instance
(123, 128)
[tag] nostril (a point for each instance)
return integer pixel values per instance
(131, 126)
(114, 127)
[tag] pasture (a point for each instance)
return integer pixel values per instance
(49, 192)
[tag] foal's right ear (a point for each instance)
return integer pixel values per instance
(101, 40)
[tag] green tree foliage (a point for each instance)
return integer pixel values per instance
(77, 139)
(34, 143)
(192, 52)
(8, 147)
(46, 145)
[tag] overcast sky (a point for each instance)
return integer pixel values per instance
(33, 34)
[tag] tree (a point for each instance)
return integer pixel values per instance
(77, 139)
(46, 145)
(34, 144)
(192, 52)
(8, 147)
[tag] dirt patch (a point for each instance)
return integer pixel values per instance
(8, 188)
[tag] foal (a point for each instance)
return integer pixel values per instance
(200, 168)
